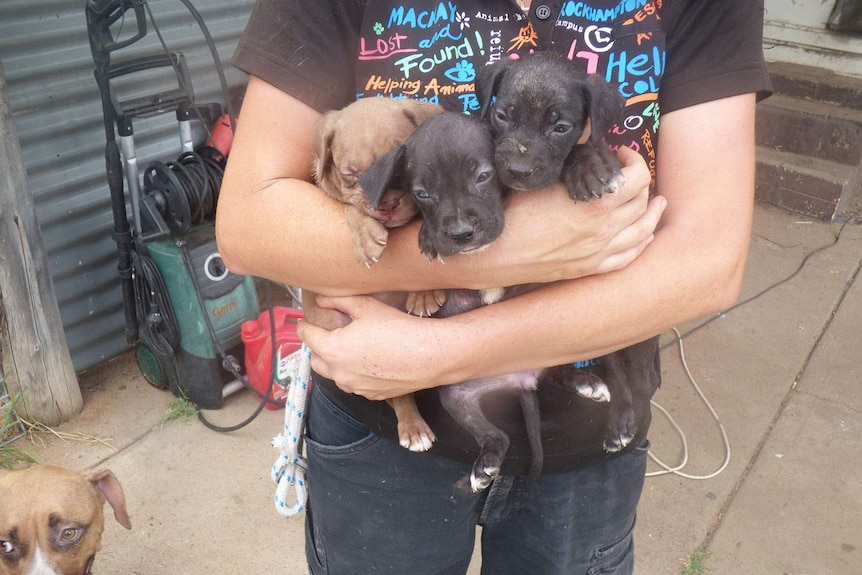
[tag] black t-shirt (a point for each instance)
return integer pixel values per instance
(662, 55)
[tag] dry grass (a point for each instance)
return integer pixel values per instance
(38, 433)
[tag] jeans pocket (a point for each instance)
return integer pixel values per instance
(615, 559)
(330, 429)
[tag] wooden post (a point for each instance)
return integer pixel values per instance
(35, 355)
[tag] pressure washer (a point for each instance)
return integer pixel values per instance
(183, 308)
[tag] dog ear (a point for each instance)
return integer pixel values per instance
(107, 483)
(417, 112)
(383, 174)
(604, 104)
(322, 136)
(487, 81)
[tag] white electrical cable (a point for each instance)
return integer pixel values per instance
(677, 469)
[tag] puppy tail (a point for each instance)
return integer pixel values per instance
(530, 406)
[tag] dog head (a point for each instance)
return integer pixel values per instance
(538, 107)
(447, 166)
(51, 519)
(349, 140)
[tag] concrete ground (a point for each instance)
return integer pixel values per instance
(782, 373)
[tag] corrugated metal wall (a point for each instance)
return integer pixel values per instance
(57, 112)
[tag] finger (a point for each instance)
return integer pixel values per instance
(635, 171)
(638, 234)
(310, 334)
(628, 157)
(621, 259)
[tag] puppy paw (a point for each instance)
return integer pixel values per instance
(416, 436)
(591, 172)
(425, 303)
(621, 431)
(369, 238)
(486, 469)
(593, 388)
(583, 383)
(481, 478)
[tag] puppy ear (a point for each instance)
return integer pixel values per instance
(417, 112)
(107, 483)
(384, 173)
(604, 105)
(322, 136)
(487, 81)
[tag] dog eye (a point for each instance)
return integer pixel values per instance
(562, 128)
(349, 179)
(483, 177)
(69, 534)
(6, 547)
(501, 116)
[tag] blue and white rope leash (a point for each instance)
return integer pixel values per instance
(289, 470)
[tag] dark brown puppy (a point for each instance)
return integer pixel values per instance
(447, 165)
(538, 108)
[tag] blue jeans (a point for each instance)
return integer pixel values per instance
(375, 507)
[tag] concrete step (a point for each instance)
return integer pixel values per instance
(810, 128)
(816, 84)
(803, 184)
(809, 138)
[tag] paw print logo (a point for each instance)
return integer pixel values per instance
(463, 71)
(378, 28)
(462, 20)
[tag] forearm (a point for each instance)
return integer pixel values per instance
(587, 318)
(693, 268)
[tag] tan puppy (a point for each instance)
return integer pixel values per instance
(51, 519)
(347, 142)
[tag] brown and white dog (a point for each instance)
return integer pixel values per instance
(51, 519)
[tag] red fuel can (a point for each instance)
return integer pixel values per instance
(257, 338)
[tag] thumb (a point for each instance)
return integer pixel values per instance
(628, 157)
(352, 306)
(309, 333)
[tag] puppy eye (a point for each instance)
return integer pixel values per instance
(421, 193)
(483, 177)
(349, 179)
(501, 116)
(6, 547)
(562, 128)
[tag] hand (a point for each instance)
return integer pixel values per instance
(550, 237)
(382, 353)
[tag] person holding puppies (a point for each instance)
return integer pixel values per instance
(613, 275)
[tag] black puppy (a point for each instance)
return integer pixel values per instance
(447, 166)
(538, 108)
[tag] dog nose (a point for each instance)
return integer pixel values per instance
(519, 169)
(461, 233)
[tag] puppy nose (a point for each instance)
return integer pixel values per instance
(461, 233)
(519, 169)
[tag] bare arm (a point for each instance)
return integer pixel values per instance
(694, 267)
(273, 223)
